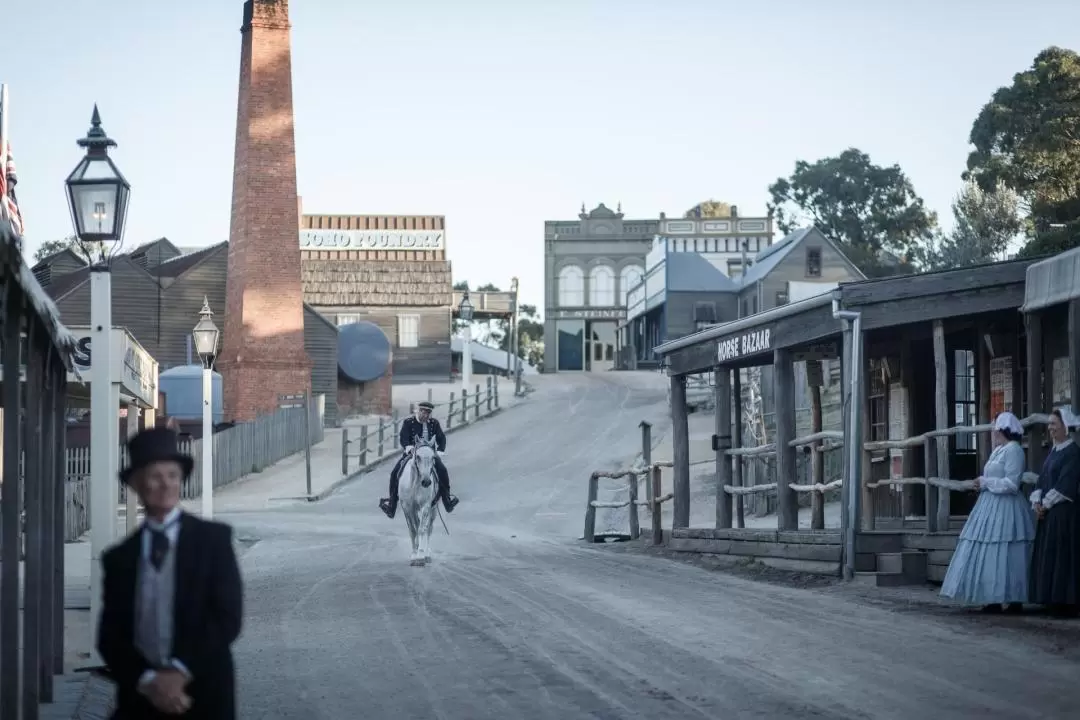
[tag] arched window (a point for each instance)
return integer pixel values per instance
(629, 277)
(601, 286)
(571, 287)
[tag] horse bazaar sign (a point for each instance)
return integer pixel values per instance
(738, 346)
(372, 240)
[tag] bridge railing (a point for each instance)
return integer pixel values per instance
(371, 443)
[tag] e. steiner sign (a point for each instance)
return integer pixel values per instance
(739, 346)
(317, 239)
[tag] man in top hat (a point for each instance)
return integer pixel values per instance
(173, 598)
(419, 427)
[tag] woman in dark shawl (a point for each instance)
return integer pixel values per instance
(1055, 562)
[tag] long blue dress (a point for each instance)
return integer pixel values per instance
(990, 564)
(1055, 562)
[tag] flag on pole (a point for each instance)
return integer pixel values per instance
(8, 180)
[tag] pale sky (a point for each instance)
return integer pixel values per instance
(500, 115)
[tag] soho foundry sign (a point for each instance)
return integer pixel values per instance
(739, 346)
(372, 240)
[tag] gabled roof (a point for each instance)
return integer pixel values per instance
(147, 245)
(772, 256)
(177, 266)
(64, 284)
(52, 257)
(690, 272)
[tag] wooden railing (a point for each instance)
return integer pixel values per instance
(653, 502)
(834, 439)
(372, 443)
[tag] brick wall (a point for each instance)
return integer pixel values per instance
(263, 354)
(370, 398)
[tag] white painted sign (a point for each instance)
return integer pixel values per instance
(738, 346)
(134, 369)
(372, 240)
(589, 314)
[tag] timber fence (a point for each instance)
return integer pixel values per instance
(240, 450)
(372, 443)
(934, 444)
(653, 502)
(936, 511)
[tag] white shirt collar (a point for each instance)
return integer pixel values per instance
(168, 521)
(1063, 444)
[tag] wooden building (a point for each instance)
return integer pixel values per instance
(388, 270)
(158, 291)
(690, 285)
(939, 355)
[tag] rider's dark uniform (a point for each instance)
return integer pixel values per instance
(412, 431)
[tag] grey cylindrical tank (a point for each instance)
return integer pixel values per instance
(183, 393)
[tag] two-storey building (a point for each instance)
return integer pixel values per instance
(589, 265)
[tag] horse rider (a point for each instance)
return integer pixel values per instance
(419, 427)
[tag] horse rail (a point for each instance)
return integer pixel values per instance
(920, 440)
(1027, 478)
(654, 502)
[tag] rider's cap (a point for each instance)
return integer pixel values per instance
(426, 406)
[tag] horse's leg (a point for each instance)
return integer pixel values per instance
(429, 521)
(414, 535)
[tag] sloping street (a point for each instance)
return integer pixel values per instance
(516, 618)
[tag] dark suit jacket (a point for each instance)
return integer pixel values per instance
(412, 428)
(208, 612)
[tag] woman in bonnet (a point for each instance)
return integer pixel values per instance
(1055, 564)
(990, 565)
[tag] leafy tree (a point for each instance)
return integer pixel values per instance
(709, 209)
(872, 211)
(461, 286)
(86, 251)
(1028, 137)
(987, 221)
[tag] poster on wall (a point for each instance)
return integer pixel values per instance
(1062, 391)
(1001, 386)
(897, 427)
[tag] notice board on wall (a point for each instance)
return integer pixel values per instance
(1001, 386)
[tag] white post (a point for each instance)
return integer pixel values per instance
(104, 433)
(207, 446)
(132, 496)
(466, 357)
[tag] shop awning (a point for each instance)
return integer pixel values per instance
(1052, 281)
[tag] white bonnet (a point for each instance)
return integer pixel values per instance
(1069, 417)
(1008, 421)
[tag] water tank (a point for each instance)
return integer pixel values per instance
(183, 393)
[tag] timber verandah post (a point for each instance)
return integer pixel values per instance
(787, 516)
(680, 435)
(722, 445)
(941, 422)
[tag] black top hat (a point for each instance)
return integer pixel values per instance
(425, 405)
(157, 444)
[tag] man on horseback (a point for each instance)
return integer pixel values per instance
(419, 427)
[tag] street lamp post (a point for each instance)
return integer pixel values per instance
(515, 337)
(206, 336)
(98, 196)
(465, 312)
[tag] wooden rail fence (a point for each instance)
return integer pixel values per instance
(653, 502)
(375, 442)
(834, 439)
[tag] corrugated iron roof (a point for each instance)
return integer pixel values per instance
(1052, 281)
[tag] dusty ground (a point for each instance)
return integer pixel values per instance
(517, 618)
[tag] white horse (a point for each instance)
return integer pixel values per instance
(417, 491)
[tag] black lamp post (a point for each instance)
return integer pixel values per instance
(97, 191)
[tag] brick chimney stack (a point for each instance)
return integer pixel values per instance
(263, 353)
